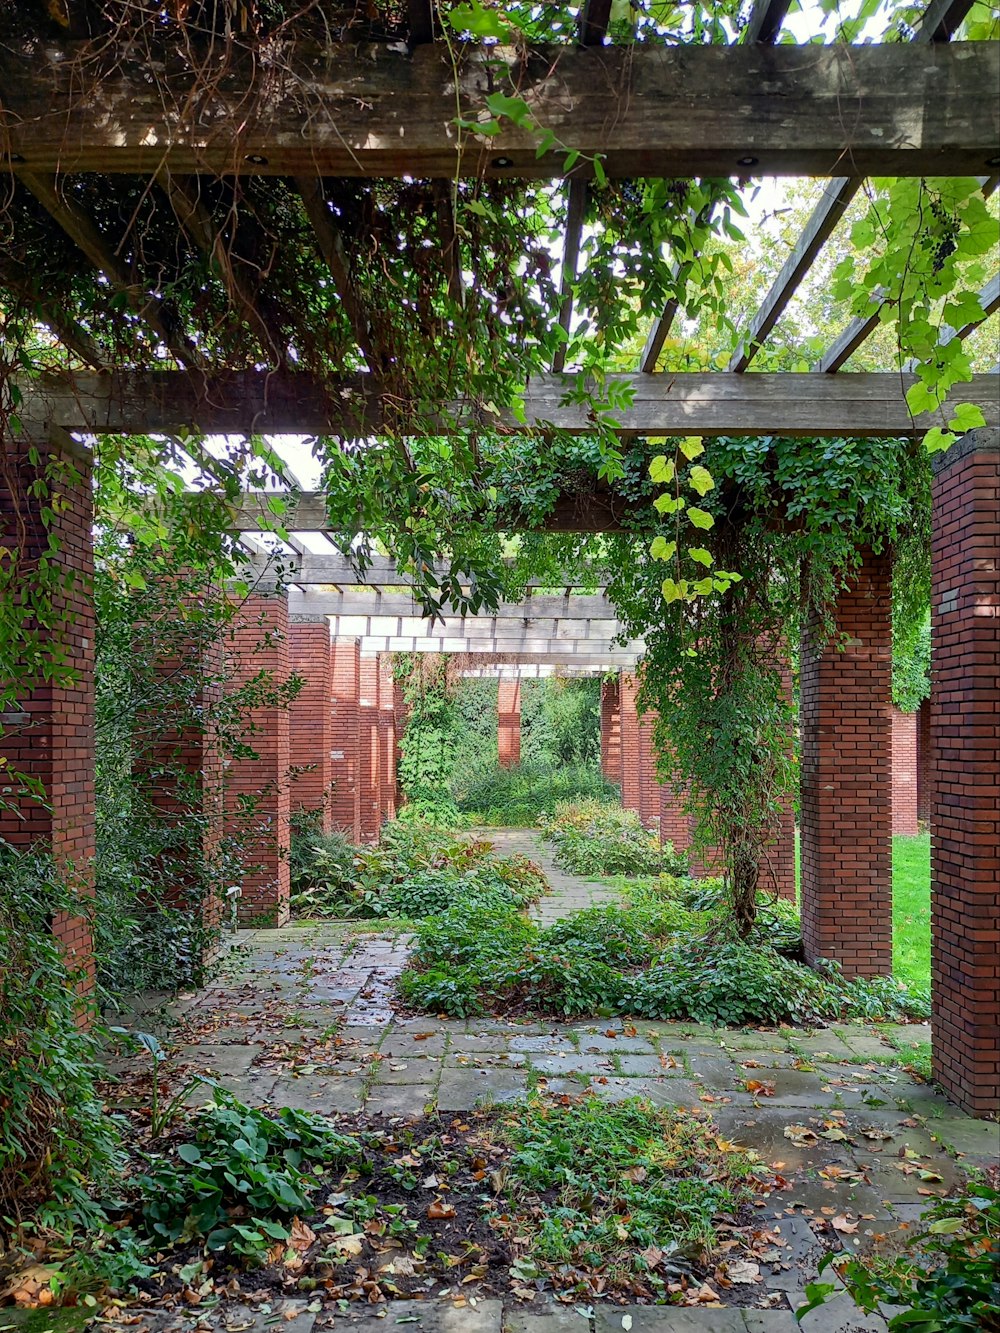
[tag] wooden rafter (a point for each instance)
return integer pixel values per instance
(450, 250)
(184, 193)
(677, 111)
(380, 574)
(559, 614)
(331, 246)
(80, 228)
(939, 23)
(706, 403)
(420, 21)
(762, 28)
(70, 333)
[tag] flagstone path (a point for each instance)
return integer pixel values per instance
(302, 1017)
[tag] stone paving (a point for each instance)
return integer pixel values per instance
(302, 1017)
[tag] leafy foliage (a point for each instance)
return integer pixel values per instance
(518, 796)
(947, 1279)
(594, 838)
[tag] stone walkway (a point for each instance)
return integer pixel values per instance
(302, 1017)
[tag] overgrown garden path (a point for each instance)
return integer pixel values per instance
(304, 1017)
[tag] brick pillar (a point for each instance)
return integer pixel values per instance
(777, 868)
(369, 750)
(846, 783)
(310, 719)
(509, 722)
(47, 733)
(611, 731)
(904, 774)
(258, 800)
(345, 670)
(675, 825)
(631, 744)
(924, 761)
(965, 761)
(388, 795)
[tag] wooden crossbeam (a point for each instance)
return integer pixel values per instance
(450, 250)
(585, 608)
(506, 621)
(382, 574)
(71, 334)
(765, 21)
(528, 649)
(184, 193)
(939, 23)
(648, 110)
(704, 403)
(80, 228)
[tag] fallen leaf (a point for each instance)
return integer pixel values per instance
(742, 1273)
(843, 1224)
(438, 1210)
(801, 1134)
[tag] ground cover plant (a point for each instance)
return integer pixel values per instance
(518, 796)
(416, 871)
(597, 838)
(911, 909)
(669, 951)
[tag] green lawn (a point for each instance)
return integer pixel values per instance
(911, 907)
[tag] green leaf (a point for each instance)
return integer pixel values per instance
(190, 1153)
(920, 398)
(967, 417)
(946, 1226)
(701, 479)
(700, 518)
(661, 469)
(700, 554)
(692, 447)
(671, 590)
(600, 175)
(937, 439)
(472, 17)
(668, 504)
(514, 108)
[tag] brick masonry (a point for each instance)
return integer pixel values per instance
(369, 749)
(904, 774)
(965, 758)
(345, 737)
(388, 740)
(258, 797)
(49, 735)
(310, 719)
(924, 761)
(611, 731)
(846, 782)
(508, 722)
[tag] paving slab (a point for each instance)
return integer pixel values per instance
(665, 1319)
(425, 1317)
(552, 1321)
(326, 1096)
(838, 1315)
(407, 1099)
(464, 1089)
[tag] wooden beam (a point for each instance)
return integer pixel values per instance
(420, 17)
(283, 403)
(592, 608)
(836, 196)
(450, 250)
(677, 111)
(184, 193)
(989, 299)
(29, 287)
(519, 650)
(382, 574)
(505, 621)
(594, 20)
(80, 228)
(765, 21)
(576, 206)
(942, 19)
(331, 246)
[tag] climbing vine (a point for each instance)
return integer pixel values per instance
(428, 746)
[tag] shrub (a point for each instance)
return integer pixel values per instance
(55, 1137)
(515, 797)
(590, 838)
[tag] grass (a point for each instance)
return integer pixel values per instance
(911, 907)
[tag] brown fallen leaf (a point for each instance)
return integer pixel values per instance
(301, 1236)
(438, 1210)
(841, 1223)
(802, 1135)
(759, 1088)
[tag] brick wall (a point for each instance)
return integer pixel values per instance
(904, 774)
(345, 737)
(924, 761)
(965, 757)
(369, 756)
(49, 735)
(611, 731)
(631, 744)
(261, 643)
(509, 722)
(310, 719)
(846, 795)
(388, 781)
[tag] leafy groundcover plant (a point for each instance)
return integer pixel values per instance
(518, 796)
(651, 957)
(594, 838)
(416, 871)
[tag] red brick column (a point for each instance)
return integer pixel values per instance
(310, 719)
(258, 800)
(388, 753)
(345, 670)
(611, 731)
(904, 774)
(48, 734)
(965, 759)
(631, 744)
(846, 783)
(924, 761)
(369, 750)
(777, 868)
(509, 722)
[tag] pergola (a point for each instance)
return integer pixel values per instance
(388, 108)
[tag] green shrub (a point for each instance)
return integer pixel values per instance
(55, 1137)
(240, 1175)
(591, 838)
(516, 797)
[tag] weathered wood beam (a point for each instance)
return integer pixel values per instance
(989, 299)
(837, 194)
(538, 650)
(765, 21)
(704, 403)
(595, 609)
(450, 250)
(80, 228)
(420, 19)
(382, 573)
(576, 206)
(938, 24)
(184, 194)
(808, 110)
(29, 287)
(331, 246)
